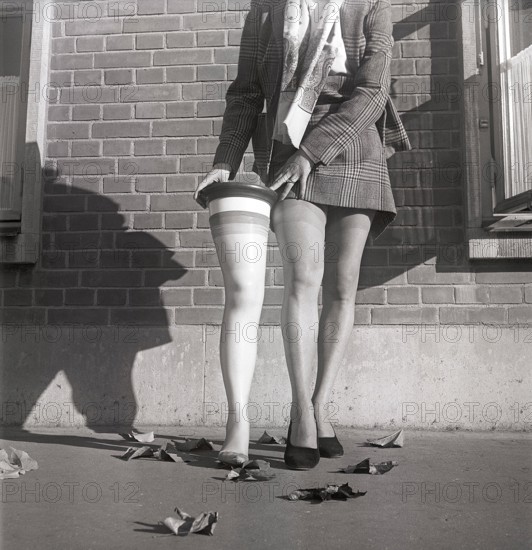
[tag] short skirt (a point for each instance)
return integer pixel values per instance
(356, 178)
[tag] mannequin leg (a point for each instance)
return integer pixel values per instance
(242, 258)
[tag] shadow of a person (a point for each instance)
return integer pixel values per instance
(112, 311)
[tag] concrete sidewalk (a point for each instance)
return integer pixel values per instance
(450, 490)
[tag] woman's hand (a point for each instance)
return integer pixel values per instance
(297, 168)
(220, 172)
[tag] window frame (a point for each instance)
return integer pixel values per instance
(485, 237)
(21, 244)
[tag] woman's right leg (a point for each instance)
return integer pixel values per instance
(242, 259)
(300, 230)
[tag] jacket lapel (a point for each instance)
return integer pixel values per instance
(277, 20)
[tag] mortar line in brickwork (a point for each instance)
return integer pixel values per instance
(204, 336)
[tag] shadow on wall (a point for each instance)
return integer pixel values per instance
(90, 280)
(427, 181)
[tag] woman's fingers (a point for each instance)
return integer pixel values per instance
(302, 185)
(288, 180)
(282, 179)
(286, 190)
(290, 172)
(297, 169)
(206, 181)
(212, 177)
(224, 175)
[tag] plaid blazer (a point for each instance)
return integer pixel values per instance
(367, 34)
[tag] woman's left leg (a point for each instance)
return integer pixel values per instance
(300, 230)
(346, 234)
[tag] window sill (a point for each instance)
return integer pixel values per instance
(20, 249)
(496, 245)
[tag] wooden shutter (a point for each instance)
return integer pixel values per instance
(10, 162)
(15, 45)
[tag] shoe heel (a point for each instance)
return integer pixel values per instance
(300, 458)
(330, 447)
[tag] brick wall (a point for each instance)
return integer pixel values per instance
(136, 103)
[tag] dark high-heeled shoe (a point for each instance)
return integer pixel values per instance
(299, 458)
(330, 447)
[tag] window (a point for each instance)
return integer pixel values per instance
(497, 62)
(24, 60)
(509, 45)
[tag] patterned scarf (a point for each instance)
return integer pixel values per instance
(307, 60)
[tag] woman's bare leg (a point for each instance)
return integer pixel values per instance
(300, 230)
(345, 238)
(244, 293)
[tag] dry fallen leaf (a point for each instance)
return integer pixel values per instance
(5, 465)
(271, 439)
(185, 524)
(23, 460)
(8, 471)
(137, 452)
(175, 524)
(205, 523)
(397, 439)
(252, 470)
(147, 437)
(331, 492)
(193, 445)
(16, 463)
(10, 475)
(366, 467)
(382, 467)
(167, 452)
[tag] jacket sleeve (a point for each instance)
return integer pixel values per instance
(244, 98)
(368, 101)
